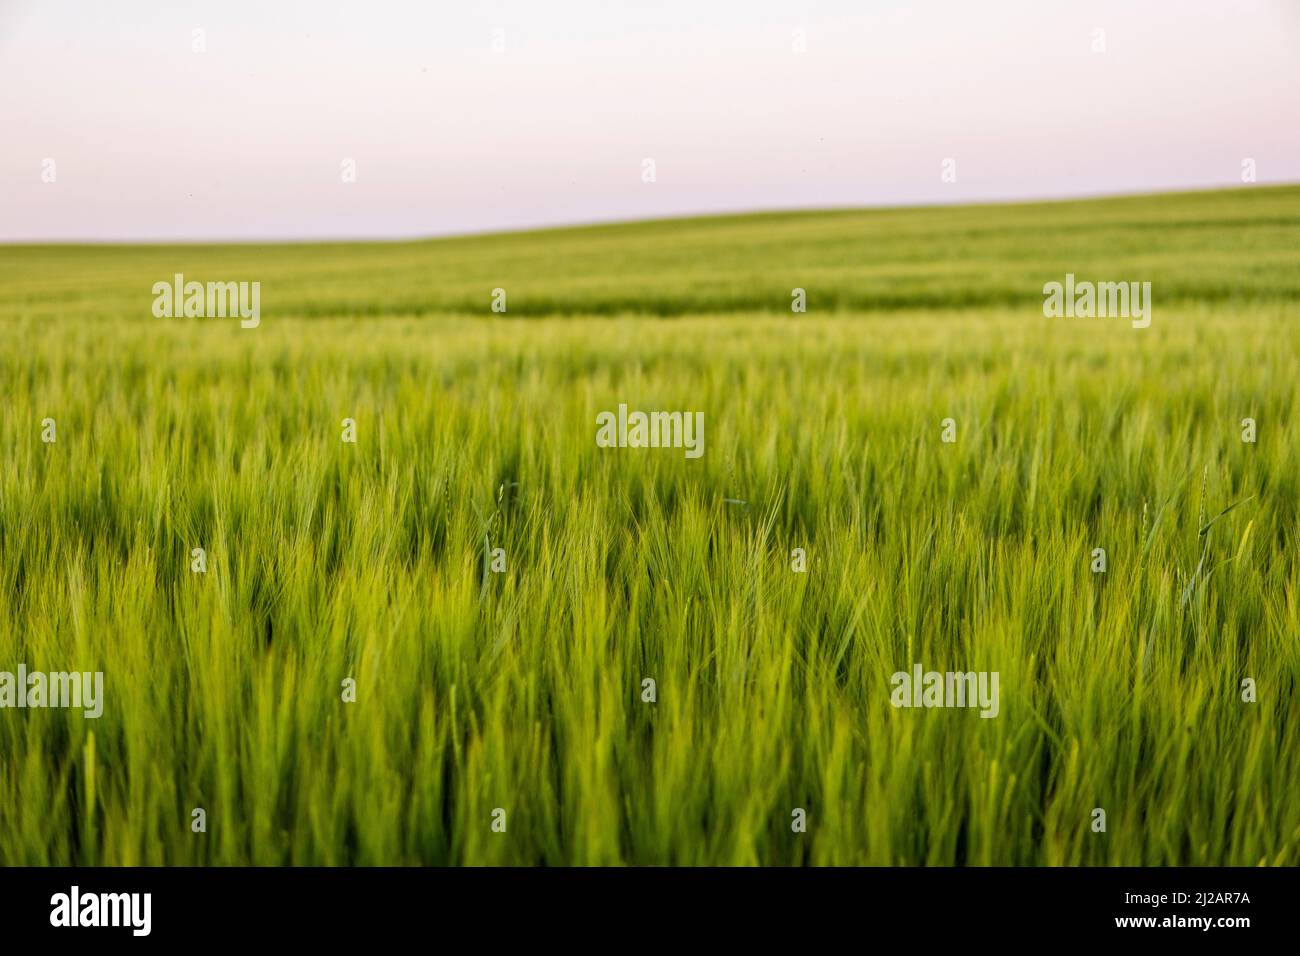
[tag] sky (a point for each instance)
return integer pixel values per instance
(118, 121)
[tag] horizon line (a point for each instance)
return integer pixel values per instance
(732, 213)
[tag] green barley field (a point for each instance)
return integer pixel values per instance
(1162, 690)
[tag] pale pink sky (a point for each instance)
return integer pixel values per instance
(152, 140)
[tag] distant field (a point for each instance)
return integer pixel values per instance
(522, 689)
